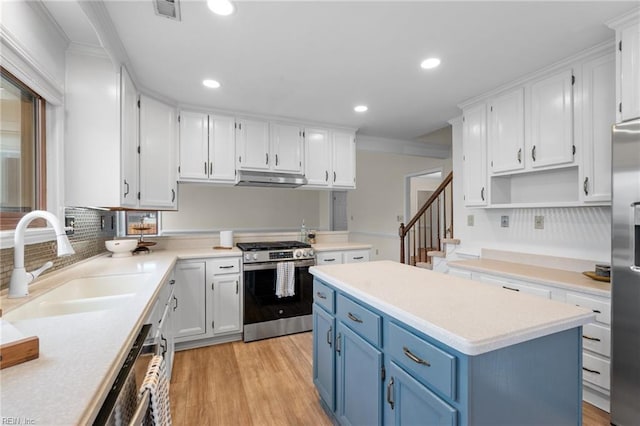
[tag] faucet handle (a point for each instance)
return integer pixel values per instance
(35, 274)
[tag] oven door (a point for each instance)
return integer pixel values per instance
(260, 301)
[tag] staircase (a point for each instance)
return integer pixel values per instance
(424, 238)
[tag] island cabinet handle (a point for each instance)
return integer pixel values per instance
(590, 371)
(358, 258)
(414, 358)
(329, 336)
(595, 339)
(390, 393)
(510, 288)
(339, 343)
(354, 318)
(321, 295)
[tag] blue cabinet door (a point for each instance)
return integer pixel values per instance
(359, 381)
(408, 402)
(324, 356)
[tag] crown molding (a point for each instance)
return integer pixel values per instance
(629, 18)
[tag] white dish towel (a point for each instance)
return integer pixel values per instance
(285, 279)
(157, 382)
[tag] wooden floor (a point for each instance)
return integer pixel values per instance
(268, 382)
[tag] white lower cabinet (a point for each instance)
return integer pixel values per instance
(208, 299)
(596, 336)
(342, 256)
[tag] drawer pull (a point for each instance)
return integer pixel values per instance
(590, 371)
(358, 257)
(354, 318)
(595, 339)
(329, 336)
(414, 358)
(321, 295)
(330, 260)
(227, 267)
(389, 393)
(596, 311)
(510, 288)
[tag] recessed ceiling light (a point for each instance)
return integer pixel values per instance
(430, 63)
(221, 7)
(361, 108)
(212, 84)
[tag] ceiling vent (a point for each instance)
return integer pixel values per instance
(167, 8)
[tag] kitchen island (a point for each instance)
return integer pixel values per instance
(395, 344)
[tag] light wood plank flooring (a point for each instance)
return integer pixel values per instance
(268, 382)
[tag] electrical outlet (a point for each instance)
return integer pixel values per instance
(504, 221)
(470, 220)
(539, 222)
(69, 225)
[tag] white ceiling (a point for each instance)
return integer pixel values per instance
(316, 60)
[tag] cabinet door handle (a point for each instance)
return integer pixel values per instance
(127, 191)
(276, 159)
(176, 299)
(595, 339)
(205, 167)
(266, 158)
(210, 167)
(520, 156)
(590, 371)
(339, 343)
(326, 176)
(533, 153)
(329, 336)
(240, 159)
(510, 288)
(334, 176)
(482, 193)
(354, 318)
(237, 287)
(390, 393)
(173, 195)
(414, 358)
(585, 186)
(321, 295)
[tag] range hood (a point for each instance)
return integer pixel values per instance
(270, 179)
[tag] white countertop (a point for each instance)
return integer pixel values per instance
(340, 246)
(470, 317)
(569, 280)
(81, 354)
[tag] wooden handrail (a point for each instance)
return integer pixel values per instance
(426, 205)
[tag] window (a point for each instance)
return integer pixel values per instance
(22, 151)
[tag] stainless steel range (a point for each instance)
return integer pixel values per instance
(268, 312)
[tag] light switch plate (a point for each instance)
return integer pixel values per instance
(470, 220)
(539, 222)
(504, 221)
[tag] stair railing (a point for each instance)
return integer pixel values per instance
(432, 223)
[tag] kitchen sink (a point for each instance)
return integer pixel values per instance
(80, 295)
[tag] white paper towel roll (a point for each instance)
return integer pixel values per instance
(226, 238)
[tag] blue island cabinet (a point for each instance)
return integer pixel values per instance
(371, 369)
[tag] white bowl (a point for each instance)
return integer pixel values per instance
(121, 248)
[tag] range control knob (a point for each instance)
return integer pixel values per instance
(311, 253)
(255, 256)
(298, 253)
(247, 256)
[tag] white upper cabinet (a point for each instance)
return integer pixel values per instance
(597, 115)
(506, 131)
(129, 140)
(101, 133)
(474, 152)
(286, 148)
(207, 147)
(551, 141)
(627, 65)
(158, 171)
(317, 153)
(343, 160)
(252, 145)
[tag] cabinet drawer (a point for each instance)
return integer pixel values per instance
(517, 287)
(460, 273)
(600, 307)
(323, 296)
(329, 257)
(356, 256)
(225, 266)
(426, 363)
(596, 338)
(595, 370)
(360, 319)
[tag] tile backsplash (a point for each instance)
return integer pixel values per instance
(88, 240)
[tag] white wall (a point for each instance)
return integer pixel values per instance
(579, 232)
(206, 208)
(379, 199)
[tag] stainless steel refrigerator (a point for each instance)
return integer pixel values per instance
(625, 278)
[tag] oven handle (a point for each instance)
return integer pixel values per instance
(272, 265)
